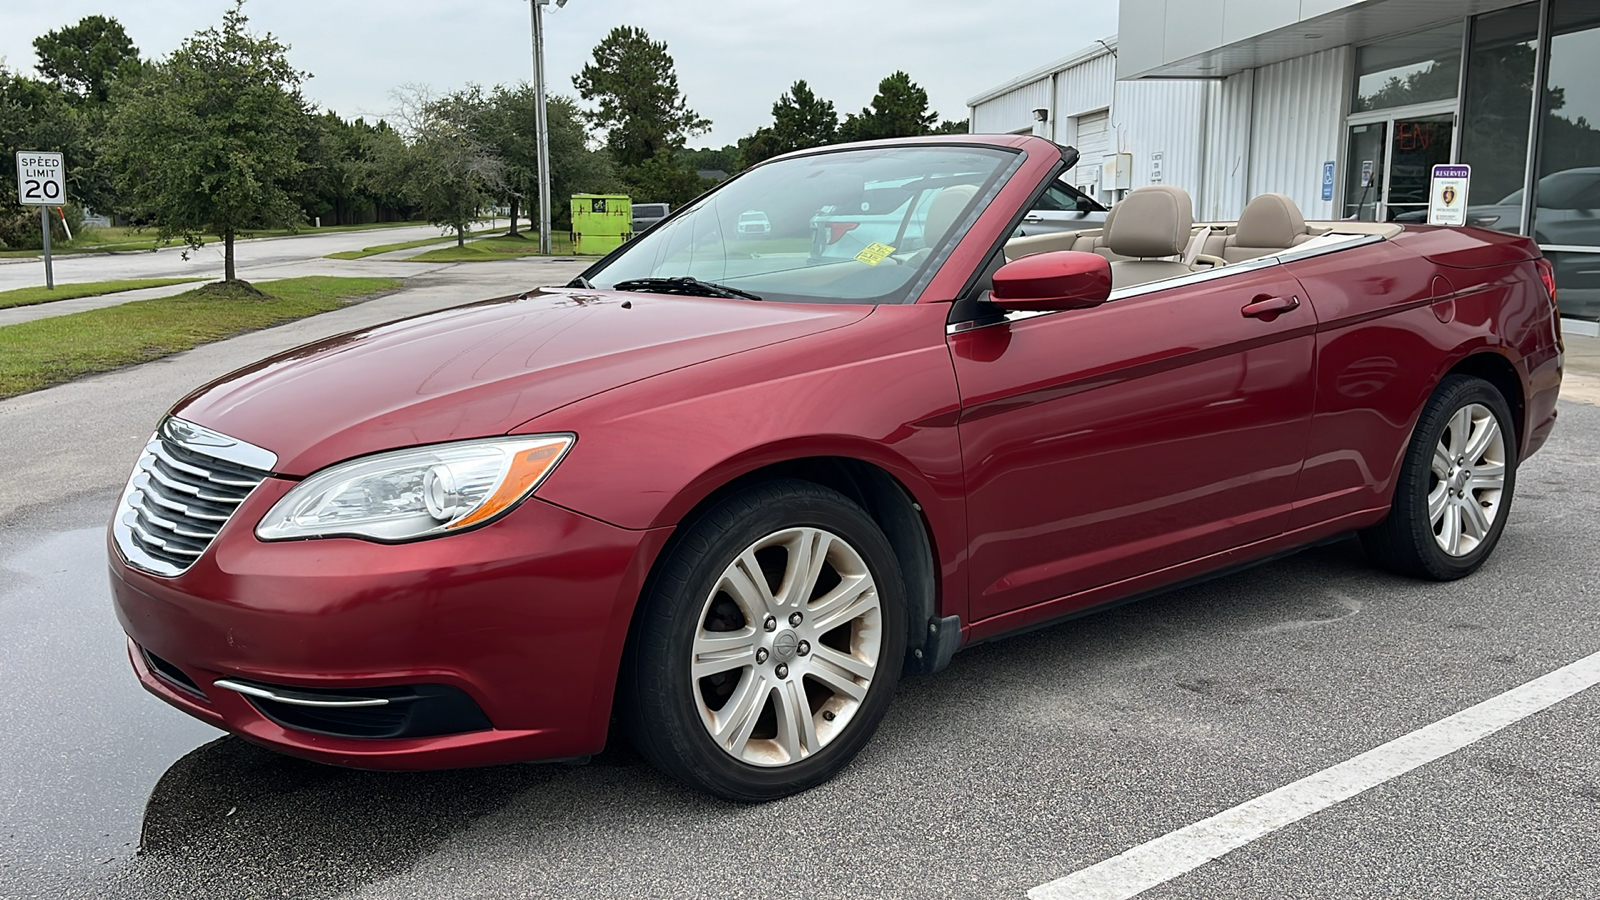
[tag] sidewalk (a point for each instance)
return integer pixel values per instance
(1582, 374)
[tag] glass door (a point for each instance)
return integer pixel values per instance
(1390, 165)
(1363, 181)
(1418, 144)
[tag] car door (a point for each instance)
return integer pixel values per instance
(1160, 427)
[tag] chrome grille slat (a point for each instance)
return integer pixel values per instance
(176, 506)
(160, 452)
(188, 482)
(183, 487)
(152, 520)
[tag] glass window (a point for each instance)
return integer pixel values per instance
(855, 226)
(1414, 68)
(1567, 198)
(1497, 108)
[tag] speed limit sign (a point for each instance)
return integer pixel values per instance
(41, 178)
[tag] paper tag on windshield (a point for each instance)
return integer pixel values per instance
(875, 253)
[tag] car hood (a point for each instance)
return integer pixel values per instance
(480, 370)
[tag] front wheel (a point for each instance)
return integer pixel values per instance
(769, 645)
(1456, 480)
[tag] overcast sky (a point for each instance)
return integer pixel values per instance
(734, 57)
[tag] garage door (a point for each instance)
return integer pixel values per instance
(1094, 142)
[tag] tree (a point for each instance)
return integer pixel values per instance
(510, 127)
(450, 171)
(634, 86)
(800, 120)
(665, 178)
(34, 115)
(899, 109)
(84, 59)
(210, 140)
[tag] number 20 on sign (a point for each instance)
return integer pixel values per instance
(41, 179)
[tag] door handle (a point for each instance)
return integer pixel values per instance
(1268, 308)
(1035, 219)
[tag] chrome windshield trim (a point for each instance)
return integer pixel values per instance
(296, 698)
(206, 442)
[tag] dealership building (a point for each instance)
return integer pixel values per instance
(1345, 106)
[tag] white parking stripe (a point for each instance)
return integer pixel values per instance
(1188, 848)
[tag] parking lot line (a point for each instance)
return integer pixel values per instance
(1171, 855)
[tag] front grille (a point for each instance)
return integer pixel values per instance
(185, 487)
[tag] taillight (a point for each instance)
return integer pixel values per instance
(837, 230)
(1547, 274)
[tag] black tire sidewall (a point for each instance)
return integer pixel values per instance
(661, 711)
(1411, 498)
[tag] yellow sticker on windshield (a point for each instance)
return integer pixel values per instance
(875, 253)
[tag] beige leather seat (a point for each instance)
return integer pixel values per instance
(1270, 223)
(1096, 243)
(946, 207)
(1152, 224)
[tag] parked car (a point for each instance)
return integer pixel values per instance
(648, 214)
(754, 222)
(740, 494)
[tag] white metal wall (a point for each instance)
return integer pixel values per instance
(1298, 110)
(1226, 179)
(1166, 117)
(1086, 87)
(1268, 129)
(1012, 111)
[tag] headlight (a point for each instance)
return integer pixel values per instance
(416, 493)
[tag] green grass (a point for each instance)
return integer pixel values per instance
(41, 353)
(403, 245)
(34, 295)
(116, 238)
(502, 246)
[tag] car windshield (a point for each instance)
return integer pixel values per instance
(852, 226)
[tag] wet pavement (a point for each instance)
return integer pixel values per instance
(1026, 760)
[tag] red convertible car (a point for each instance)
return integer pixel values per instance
(721, 493)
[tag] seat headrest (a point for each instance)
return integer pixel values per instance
(1152, 221)
(943, 211)
(1270, 220)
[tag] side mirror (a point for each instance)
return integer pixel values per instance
(1044, 282)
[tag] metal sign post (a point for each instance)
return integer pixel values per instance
(42, 182)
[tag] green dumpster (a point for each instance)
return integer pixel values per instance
(600, 222)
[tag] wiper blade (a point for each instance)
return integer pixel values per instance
(580, 282)
(685, 285)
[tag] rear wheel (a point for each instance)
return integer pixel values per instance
(770, 643)
(1455, 486)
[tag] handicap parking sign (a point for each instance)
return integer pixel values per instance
(1327, 180)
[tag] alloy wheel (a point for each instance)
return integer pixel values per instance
(1467, 479)
(786, 647)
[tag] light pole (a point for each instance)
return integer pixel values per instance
(541, 120)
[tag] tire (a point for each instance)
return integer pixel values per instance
(756, 673)
(1470, 480)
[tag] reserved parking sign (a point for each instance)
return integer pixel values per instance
(1447, 198)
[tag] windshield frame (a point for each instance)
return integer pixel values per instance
(1010, 160)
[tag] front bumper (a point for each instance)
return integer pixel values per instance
(527, 617)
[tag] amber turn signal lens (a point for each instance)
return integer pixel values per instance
(528, 468)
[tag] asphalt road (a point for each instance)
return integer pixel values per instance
(1026, 760)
